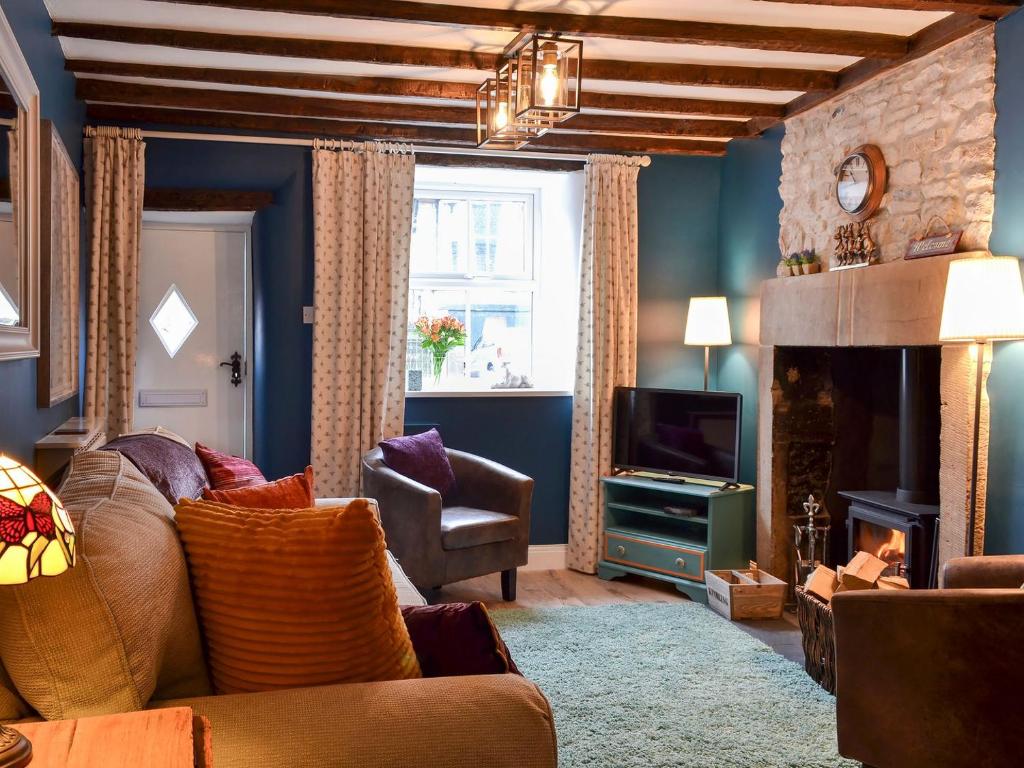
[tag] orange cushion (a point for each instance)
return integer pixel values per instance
(294, 492)
(294, 597)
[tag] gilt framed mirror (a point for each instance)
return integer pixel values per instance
(19, 202)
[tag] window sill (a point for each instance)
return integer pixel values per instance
(491, 393)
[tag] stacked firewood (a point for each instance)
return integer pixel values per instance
(864, 571)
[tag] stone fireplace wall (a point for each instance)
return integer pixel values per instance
(934, 120)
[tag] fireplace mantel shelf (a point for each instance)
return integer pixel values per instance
(894, 304)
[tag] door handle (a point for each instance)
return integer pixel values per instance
(235, 364)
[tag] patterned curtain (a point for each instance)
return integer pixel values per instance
(115, 171)
(606, 352)
(362, 213)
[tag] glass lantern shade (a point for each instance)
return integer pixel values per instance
(548, 71)
(36, 535)
(496, 124)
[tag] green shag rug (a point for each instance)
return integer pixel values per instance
(650, 685)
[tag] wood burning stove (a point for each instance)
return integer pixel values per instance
(900, 526)
(902, 534)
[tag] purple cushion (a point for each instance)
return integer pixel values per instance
(173, 468)
(421, 458)
(455, 639)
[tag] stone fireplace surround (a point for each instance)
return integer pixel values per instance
(896, 304)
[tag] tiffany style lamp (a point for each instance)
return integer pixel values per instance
(36, 539)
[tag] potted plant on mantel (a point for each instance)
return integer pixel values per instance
(809, 263)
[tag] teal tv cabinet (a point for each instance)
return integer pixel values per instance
(647, 531)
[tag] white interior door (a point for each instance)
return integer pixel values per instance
(194, 310)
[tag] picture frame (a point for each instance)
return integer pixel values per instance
(59, 262)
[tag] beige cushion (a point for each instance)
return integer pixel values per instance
(118, 628)
(497, 721)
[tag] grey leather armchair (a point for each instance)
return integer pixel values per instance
(483, 528)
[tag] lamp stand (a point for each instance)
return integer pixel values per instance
(15, 749)
(707, 365)
(972, 516)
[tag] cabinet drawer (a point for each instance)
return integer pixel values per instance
(672, 559)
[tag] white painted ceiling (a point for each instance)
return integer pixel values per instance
(147, 13)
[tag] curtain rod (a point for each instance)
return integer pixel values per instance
(426, 149)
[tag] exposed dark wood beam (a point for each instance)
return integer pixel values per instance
(929, 39)
(307, 126)
(112, 92)
(393, 86)
(769, 78)
(494, 161)
(990, 9)
(589, 143)
(803, 40)
(168, 199)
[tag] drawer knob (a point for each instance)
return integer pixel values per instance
(680, 562)
(620, 549)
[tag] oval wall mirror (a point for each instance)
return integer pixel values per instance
(860, 182)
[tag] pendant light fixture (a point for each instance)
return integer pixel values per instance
(536, 85)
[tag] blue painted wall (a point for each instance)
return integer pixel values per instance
(1005, 522)
(748, 253)
(21, 422)
(678, 237)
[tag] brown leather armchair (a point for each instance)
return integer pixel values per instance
(483, 528)
(934, 677)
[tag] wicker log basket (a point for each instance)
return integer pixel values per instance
(819, 639)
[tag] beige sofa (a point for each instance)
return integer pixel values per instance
(119, 633)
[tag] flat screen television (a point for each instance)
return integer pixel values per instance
(677, 432)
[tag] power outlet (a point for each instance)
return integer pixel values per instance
(307, 315)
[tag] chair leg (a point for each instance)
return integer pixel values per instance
(508, 585)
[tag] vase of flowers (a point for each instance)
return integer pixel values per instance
(440, 336)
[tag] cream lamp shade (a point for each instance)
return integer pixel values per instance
(984, 300)
(707, 322)
(36, 536)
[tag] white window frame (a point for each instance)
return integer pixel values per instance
(531, 283)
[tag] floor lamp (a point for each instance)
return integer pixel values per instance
(984, 302)
(707, 325)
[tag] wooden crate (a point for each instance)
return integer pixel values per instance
(744, 595)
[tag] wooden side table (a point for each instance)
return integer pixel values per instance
(158, 738)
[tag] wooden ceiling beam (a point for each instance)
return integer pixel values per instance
(768, 78)
(310, 127)
(589, 143)
(399, 87)
(929, 39)
(495, 161)
(768, 38)
(986, 9)
(175, 199)
(113, 92)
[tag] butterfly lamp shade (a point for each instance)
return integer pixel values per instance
(36, 536)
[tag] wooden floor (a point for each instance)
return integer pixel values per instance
(552, 589)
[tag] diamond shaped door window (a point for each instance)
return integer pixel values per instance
(173, 320)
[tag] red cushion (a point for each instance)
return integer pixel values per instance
(453, 639)
(226, 471)
(295, 492)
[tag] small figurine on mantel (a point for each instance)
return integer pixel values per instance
(854, 246)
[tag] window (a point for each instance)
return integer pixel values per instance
(475, 256)
(173, 320)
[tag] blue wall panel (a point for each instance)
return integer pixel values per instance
(1005, 522)
(748, 254)
(678, 236)
(21, 422)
